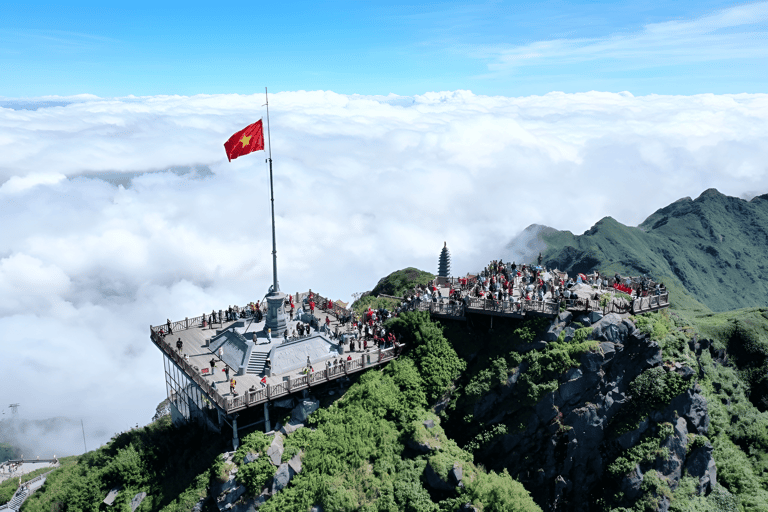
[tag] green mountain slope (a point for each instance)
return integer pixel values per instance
(712, 248)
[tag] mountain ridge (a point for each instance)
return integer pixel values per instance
(709, 250)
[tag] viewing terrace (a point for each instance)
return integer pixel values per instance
(454, 301)
(242, 345)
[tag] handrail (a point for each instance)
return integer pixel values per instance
(191, 372)
(269, 391)
(486, 305)
(26, 485)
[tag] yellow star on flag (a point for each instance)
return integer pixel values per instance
(246, 140)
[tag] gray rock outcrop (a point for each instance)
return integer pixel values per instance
(569, 432)
(306, 407)
(275, 450)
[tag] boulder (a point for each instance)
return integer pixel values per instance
(291, 427)
(552, 333)
(136, 501)
(565, 317)
(700, 464)
(612, 328)
(275, 450)
(631, 438)
(295, 463)
(454, 476)
(282, 477)
(434, 480)
(570, 392)
(250, 457)
(429, 423)
(693, 407)
(671, 467)
(219, 488)
(631, 483)
(316, 508)
(584, 320)
(306, 407)
(595, 316)
(225, 501)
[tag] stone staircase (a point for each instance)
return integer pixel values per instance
(256, 362)
(18, 499)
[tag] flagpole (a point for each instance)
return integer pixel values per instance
(275, 287)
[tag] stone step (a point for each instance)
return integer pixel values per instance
(256, 362)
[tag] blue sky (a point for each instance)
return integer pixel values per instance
(406, 48)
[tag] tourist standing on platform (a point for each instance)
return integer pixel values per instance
(213, 365)
(170, 331)
(232, 384)
(312, 307)
(179, 345)
(226, 371)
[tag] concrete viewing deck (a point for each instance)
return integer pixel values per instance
(520, 308)
(245, 349)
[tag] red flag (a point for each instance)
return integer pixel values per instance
(247, 140)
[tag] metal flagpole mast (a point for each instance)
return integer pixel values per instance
(272, 195)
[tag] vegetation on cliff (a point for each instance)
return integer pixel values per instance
(394, 285)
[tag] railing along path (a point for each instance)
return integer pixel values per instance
(548, 308)
(272, 391)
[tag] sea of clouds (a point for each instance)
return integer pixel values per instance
(118, 213)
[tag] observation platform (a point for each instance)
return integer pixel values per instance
(245, 348)
(520, 308)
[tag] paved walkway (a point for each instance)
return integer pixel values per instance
(25, 468)
(195, 346)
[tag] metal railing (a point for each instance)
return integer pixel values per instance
(188, 369)
(550, 308)
(271, 391)
(29, 491)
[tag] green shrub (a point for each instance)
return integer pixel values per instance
(435, 358)
(655, 387)
(255, 475)
(255, 442)
(498, 492)
(644, 452)
(295, 443)
(7, 489)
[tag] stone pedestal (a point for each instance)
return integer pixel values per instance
(276, 319)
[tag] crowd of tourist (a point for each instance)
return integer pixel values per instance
(508, 286)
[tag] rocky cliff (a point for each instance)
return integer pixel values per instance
(590, 441)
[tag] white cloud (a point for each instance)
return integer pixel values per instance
(363, 186)
(732, 33)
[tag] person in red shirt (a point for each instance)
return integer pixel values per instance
(312, 307)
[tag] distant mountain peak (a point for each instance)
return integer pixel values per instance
(713, 246)
(710, 193)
